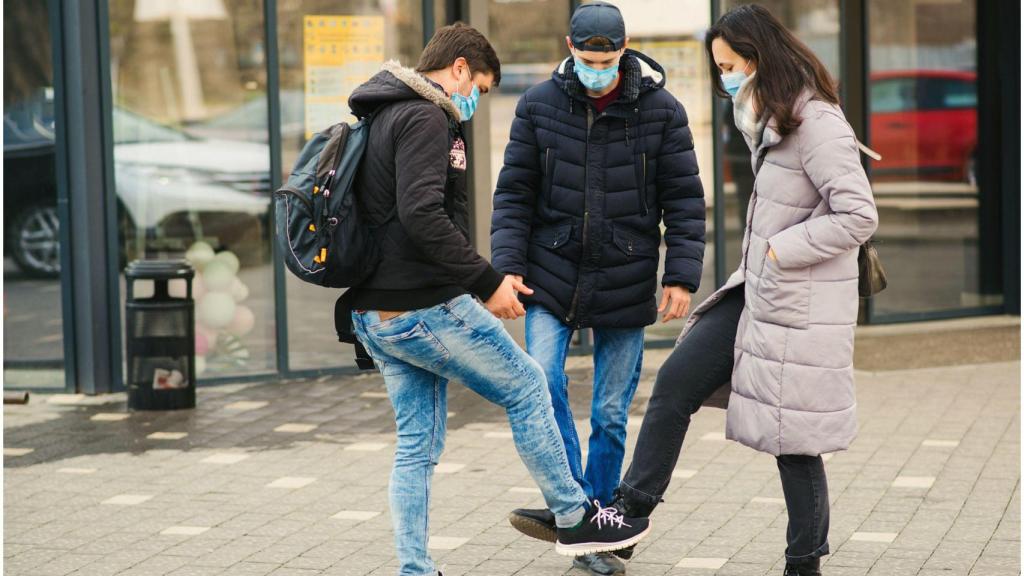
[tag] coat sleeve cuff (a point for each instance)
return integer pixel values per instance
(688, 285)
(487, 284)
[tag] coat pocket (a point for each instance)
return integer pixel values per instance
(784, 295)
(547, 177)
(634, 246)
(552, 236)
(641, 183)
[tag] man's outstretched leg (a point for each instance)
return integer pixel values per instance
(460, 340)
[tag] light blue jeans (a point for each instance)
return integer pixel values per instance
(418, 352)
(618, 356)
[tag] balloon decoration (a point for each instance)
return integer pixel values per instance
(222, 322)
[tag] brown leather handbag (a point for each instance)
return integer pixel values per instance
(872, 275)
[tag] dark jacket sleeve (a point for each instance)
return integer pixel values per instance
(518, 184)
(421, 160)
(681, 197)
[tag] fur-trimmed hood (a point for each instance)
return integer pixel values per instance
(395, 83)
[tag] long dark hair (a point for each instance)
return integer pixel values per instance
(785, 65)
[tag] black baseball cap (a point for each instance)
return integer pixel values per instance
(597, 19)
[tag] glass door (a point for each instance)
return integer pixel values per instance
(33, 275)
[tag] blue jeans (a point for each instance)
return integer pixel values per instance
(618, 356)
(418, 352)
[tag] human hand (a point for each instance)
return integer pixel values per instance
(504, 303)
(675, 299)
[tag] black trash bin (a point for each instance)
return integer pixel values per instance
(160, 338)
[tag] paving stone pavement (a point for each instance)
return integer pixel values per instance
(290, 478)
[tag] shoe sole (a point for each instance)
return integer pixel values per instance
(533, 528)
(595, 547)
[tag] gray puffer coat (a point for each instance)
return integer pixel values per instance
(792, 384)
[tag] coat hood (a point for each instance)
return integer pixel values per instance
(396, 83)
(640, 73)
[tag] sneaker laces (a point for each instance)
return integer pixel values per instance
(608, 516)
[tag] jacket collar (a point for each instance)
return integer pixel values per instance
(639, 74)
(424, 87)
(771, 136)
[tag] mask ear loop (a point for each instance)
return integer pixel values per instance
(470, 81)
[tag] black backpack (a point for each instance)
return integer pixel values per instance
(319, 232)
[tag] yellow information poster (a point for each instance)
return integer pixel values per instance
(341, 52)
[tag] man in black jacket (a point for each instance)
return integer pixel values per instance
(599, 156)
(420, 315)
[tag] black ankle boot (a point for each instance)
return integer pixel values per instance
(633, 510)
(810, 568)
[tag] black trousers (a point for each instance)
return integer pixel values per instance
(699, 366)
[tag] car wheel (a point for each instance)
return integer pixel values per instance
(35, 241)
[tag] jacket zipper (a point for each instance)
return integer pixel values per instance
(586, 219)
(750, 220)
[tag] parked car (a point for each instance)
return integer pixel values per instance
(924, 123)
(172, 188)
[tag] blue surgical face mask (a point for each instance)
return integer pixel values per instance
(595, 80)
(467, 104)
(733, 81)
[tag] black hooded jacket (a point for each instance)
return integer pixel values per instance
(413, 177)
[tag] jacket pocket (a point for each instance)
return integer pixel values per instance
(784, 295)
(548, 175)
(641, 184)
(634, 245)
(552, 236)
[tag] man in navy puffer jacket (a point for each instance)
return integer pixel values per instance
(599, 156)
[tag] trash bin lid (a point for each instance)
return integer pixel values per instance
(159, 270)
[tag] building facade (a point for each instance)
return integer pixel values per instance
(159, 128)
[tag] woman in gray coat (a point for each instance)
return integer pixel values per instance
(781, 328)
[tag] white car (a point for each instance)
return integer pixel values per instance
(172, 189)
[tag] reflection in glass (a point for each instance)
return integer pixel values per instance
(923, 121)
(34, 346)
(192, 164)
(327, 48)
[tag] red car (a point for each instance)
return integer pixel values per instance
(924, 123)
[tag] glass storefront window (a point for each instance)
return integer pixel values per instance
(191, 164)
(34, 348)
(923, 121)
(327, 48)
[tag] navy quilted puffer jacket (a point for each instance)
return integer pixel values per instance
(581, 197)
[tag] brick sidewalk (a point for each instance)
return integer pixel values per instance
(290, 478)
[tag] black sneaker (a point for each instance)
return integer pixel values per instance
(539, 524)
(600, 564)
(601, 530)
